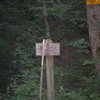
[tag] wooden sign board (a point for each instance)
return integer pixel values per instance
(52, 49)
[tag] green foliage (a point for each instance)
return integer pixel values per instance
(70, 96)
(27, 86)
(21, 26)
(82, 46)
(89, 61)
(27, 91)
(1, 97)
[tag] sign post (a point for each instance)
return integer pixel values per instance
(52, 49)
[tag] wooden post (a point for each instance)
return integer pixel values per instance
(93, 16)
(50, 75)
(52, 49)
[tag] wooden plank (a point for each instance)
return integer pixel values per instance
(52, 49)
(50, 76)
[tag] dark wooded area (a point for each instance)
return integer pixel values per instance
(23, 24)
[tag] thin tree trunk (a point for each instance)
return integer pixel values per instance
(47, 27)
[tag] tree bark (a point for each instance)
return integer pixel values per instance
(45, 13)
(93, 15)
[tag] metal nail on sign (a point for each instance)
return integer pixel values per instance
(52, 49)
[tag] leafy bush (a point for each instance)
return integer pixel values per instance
(69, 85)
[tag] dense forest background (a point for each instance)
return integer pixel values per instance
(21, 26)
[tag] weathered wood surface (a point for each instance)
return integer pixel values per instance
(50, 76)
(53, 49)
(93, 15)
(49, 49)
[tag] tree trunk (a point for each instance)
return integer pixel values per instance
(93, 15)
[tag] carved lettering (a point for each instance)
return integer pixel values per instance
(51, 49)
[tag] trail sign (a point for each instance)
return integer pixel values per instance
(49, 50)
